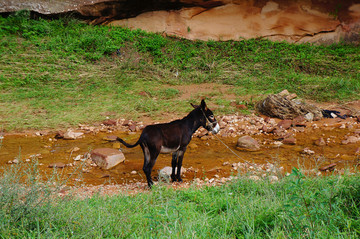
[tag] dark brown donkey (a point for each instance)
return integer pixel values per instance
(173, 138)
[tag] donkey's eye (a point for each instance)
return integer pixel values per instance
(211, 117)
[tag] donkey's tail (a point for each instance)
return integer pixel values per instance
(126, 144)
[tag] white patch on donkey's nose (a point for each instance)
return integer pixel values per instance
(216, 129)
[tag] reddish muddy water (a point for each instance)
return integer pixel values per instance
(204, 158)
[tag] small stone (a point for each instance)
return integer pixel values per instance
(273, 178)
(299, 129)
(16, 161)
(57, 165)
(320, 142)
(59, 135)
(285, 124)
(254, 177)
(299, 121)
(279, 132)
(72, 135)
(329, 167)
(290, 140)
(350, 140)
(165, 172)
(357, 151)
(110, 122)
(78, 158)
(192, 146)
(223, 180)
(309, 117)
(133, 172)
(307, 151)
(110, 138)
(132, 128)
(126, 123)
(197, 180)
(204, 138)
(267, 129)
(73, 150)
(247, 143)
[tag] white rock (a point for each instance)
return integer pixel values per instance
(165, 172)
(72, 135)
(78, 158)
(254, 177)
(273, 178)
(309, 117)
(308, 151)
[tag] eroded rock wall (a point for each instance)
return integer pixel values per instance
(315, 21)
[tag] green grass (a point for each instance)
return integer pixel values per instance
(61, 72)
(294, 207)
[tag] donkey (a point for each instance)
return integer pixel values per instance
(173, 138)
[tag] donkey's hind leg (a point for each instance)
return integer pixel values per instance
(180, 156)
(150, 156)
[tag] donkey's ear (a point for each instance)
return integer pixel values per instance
(195, 106)
(203, 105)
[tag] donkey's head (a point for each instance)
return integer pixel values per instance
(207, 118)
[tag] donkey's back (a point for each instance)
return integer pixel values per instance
(167, 137)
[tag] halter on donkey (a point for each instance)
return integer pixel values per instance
(173, 138)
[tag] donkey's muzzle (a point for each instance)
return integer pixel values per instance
(216, 128)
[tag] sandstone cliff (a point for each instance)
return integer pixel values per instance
(315, 21)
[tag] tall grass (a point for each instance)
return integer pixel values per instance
(61, 72)
(294, 207)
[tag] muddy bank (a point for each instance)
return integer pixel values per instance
(309, 145)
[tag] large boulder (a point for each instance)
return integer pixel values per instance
(107, 158)
(325, 21)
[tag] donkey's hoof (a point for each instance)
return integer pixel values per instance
(150, 184)
(179, 180)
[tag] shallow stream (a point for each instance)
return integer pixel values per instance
(203, 159)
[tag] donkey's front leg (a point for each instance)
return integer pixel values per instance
(173, 165)
(180, 156)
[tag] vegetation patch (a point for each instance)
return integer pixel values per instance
(72, 72)
(294, 207)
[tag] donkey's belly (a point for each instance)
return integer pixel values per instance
(166, 150)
